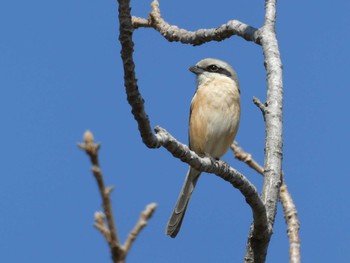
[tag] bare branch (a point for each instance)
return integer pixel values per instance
(256, 251)
(289, 209)
(273, 112)
(224, 171)
(270, 14)
(140, 22)
(92, 150)
(260, 105)
(133, 95)
(292, 221)
(245, 157)
(101, 226)
(142, 222)
(109, 230)
(199, 37)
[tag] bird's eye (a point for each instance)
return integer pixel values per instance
(213, 68)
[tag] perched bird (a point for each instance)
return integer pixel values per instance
(213, 124)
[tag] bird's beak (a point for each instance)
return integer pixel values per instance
(196, 70)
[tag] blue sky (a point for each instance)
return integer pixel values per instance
(61, 74)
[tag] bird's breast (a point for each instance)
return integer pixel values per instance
(214, 120)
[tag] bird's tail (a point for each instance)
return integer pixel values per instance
(175, 221)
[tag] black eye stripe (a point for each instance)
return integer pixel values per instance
(224, 72)
(216, 69)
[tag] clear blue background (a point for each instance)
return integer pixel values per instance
(60, 74)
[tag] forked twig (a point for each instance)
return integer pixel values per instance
(109, 230)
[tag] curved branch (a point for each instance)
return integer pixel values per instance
(133, 95)
(224, 171)
(199, 37)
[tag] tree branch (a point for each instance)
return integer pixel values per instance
(245, 157)
(92, 150)
(293, 225)
(256, 251)
(289, 209)
(141, 223)
(133, 95)
(109, 230)
(199, 37)
(260, 105)
(273, 114)
(140, 22)
(101, 225)
(224, 171)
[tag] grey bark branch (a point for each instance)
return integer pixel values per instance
(256, 251)
(289, 209)
(224, 171)
(260, 105)
(140, 22)
(273, 113)
(199, 37)
(133, 95)
(293, 225)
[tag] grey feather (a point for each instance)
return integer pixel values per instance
(175, 221)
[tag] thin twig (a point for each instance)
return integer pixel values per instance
(245, 157)
(101, 225)
(109, 230)
(141, 223)
(292, 221)
(140, 22)
(199, 37)
(260, 105)
(289, 209)
(91, 149)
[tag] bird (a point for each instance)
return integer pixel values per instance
(213, 124)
